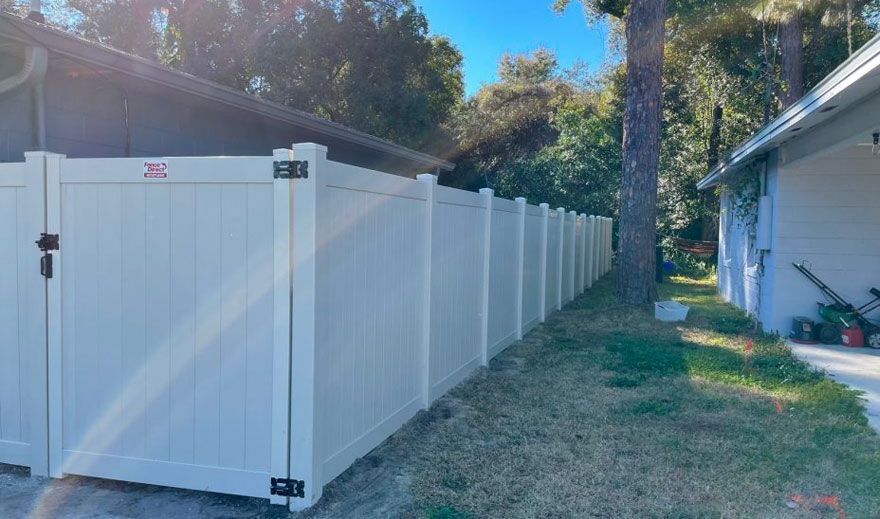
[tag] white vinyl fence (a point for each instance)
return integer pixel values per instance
(211, 323)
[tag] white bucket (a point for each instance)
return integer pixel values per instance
(670, 311)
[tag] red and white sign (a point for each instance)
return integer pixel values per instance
(155, 169)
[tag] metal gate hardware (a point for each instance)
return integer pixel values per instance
(288, 487)
(291, 168)
(46, 243)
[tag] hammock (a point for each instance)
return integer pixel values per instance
(702, 249)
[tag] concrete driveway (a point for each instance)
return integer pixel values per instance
(859, 368)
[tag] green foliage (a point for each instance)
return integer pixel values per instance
(687, 264)
(368, 64)
(541, 133)
(745, 190)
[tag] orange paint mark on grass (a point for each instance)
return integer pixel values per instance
(778, 405)
(811, 503)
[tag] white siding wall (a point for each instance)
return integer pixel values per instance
(826, 211)
(738, 279)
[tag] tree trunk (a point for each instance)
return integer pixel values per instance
(645, 33)
(791, 58)
(849, 27)
(710, 198)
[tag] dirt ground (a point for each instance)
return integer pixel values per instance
(600, 412)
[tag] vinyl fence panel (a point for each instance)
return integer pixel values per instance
(503, 275)
(370, 267)
(554, 237)
(15, 244)
(532, 253)
(456, 287)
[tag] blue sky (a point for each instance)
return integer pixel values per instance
(483, 30)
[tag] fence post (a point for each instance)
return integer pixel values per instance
(521, 263)
(281, 194)
(600, 246)
(54, 367)
(488, 195)
(430, 181)
(596, 256)
(560, 212)
(545, 223)
(305, 459)
(583, 251)
(606, 244)
(610, 242)
(35, 331)
(591, 251)
(573, 269)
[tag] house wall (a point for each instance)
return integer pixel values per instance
(86, 118)
(739, 272)
(827, 212)
(16, 132)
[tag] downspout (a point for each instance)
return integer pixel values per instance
(36, 12)
(32, 74)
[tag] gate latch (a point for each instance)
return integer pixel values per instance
(288, 487)
(47, 242)
(291, 168)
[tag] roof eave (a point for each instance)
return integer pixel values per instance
(857, 66)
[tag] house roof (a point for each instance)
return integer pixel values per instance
(97, 54)
(852, 81)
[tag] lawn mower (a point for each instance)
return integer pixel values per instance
(840, 312)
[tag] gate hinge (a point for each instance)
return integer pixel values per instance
(47, 242)
(288, 487)
(291, 168)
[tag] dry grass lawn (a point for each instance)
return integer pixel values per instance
(604, 412)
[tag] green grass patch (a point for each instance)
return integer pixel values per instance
(610, 413)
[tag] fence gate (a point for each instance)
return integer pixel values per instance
(168, 336)
(22, 315)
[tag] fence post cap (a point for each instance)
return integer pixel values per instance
(544, 205)
(487, 191)
(520, 200)
(560, 209)
(38, 154)
(427, 177)
(309, 146)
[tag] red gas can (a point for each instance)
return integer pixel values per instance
(853, 337)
